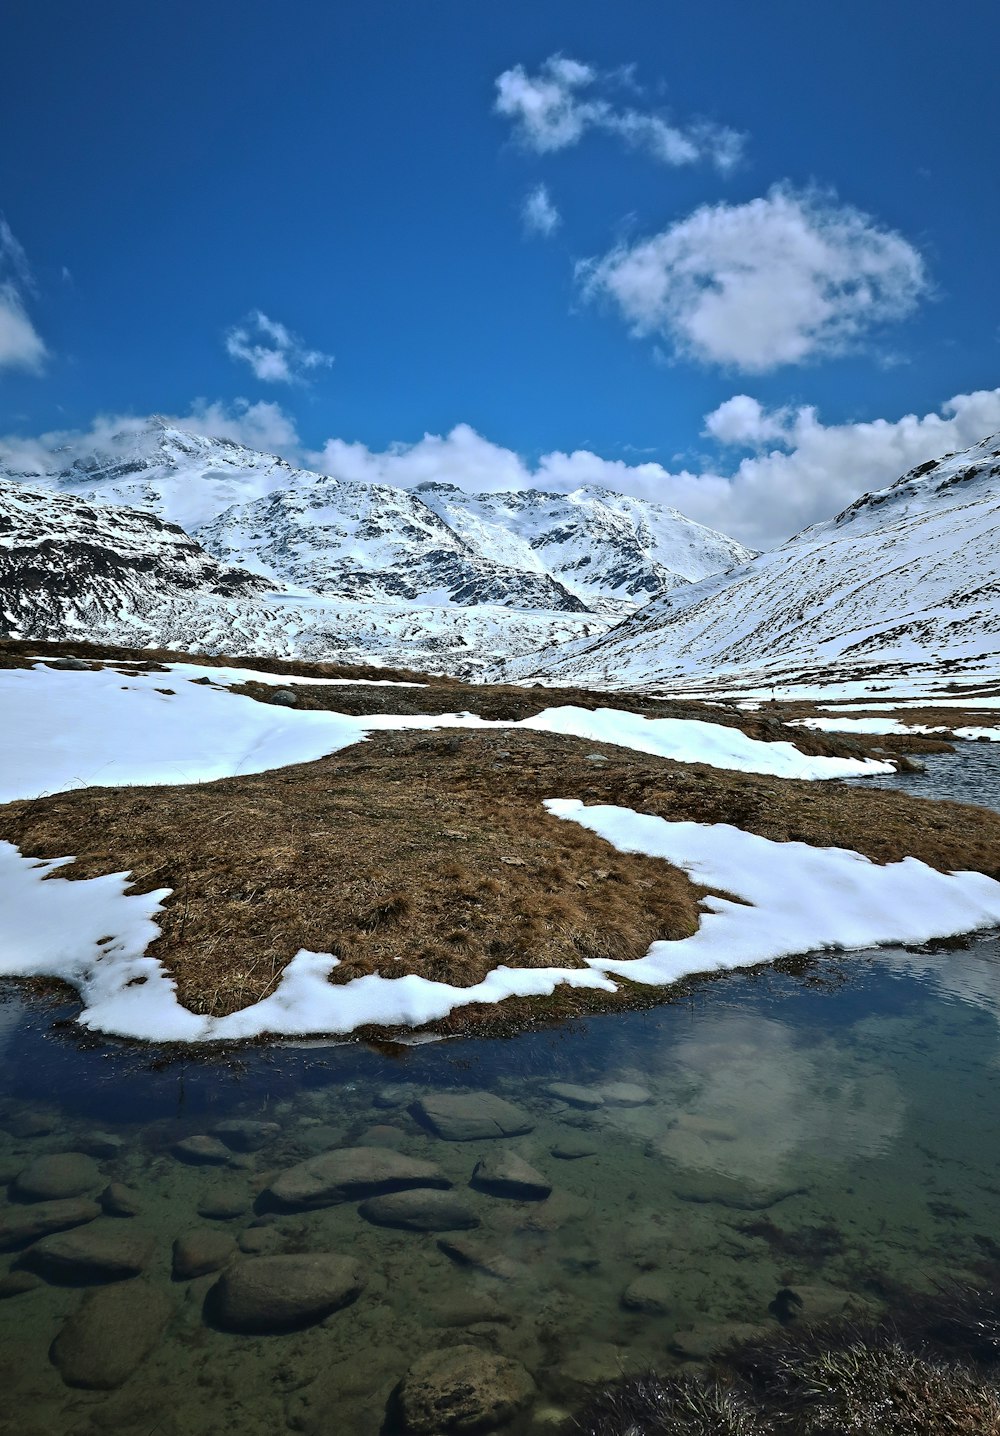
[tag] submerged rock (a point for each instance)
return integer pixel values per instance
(245, 1134)
(114, 1330)
(625, 1094)
(699, 1343)
(462, 1390)
(102, 1252)
(259, 1241)
(31, 1122)
(588, 1364)
(553, 1213)
(203, 1250)
(468, 1252)
(651, 1293)
(743, 1196)
(20, 1225)
(348, 1173)
(55, 1177)
(508, 1175)
(471, 1116)
(383, 1135)
(202, 1150)
(223, 1201)
(389, 1097)
(575, 1094)
(16, 1283)
(103, 1144)
(279, 1293)
(118, 1200)
(571, 1149)
(423, 1209)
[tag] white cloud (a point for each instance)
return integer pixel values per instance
(744, 423)
(273, 352)
(553, 109)
(812, 472)
(819, 469)
(262, 426)
(462, 457)
(21, 346)
(538, 213)
(783, 279)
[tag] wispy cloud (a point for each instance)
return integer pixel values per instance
(539, 214)
(21, 346)
(555, 107)
(783, 279)
(273, 352)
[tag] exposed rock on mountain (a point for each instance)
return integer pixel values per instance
(612, 551)
(68, 566)
(370, 541)
(72, 569)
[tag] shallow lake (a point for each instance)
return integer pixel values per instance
(829, 1128)
(970, 774)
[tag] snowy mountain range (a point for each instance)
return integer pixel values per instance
(590, 551)
(903, 582)
(296, 563)
(168, 537)
(70, 569)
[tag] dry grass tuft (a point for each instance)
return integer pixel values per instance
(932, 1373)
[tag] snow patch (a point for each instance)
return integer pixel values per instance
(893, 726)
(793, 898)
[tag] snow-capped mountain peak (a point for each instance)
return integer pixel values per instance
(589, 551)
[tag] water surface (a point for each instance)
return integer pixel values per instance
(832, 1129)
(970, 774)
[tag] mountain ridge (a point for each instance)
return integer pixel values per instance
(906, 579)
(588, 551)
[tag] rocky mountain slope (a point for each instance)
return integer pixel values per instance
(589, 551)
(904, 581)
(66, 565)
(613, 552)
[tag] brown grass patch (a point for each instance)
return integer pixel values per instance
(365, 855)
(429, 852)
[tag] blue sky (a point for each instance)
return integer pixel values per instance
(344, 172)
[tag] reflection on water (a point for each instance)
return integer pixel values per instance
(834, 1130)
(759, 1103)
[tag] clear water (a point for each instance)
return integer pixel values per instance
(831, 1127)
